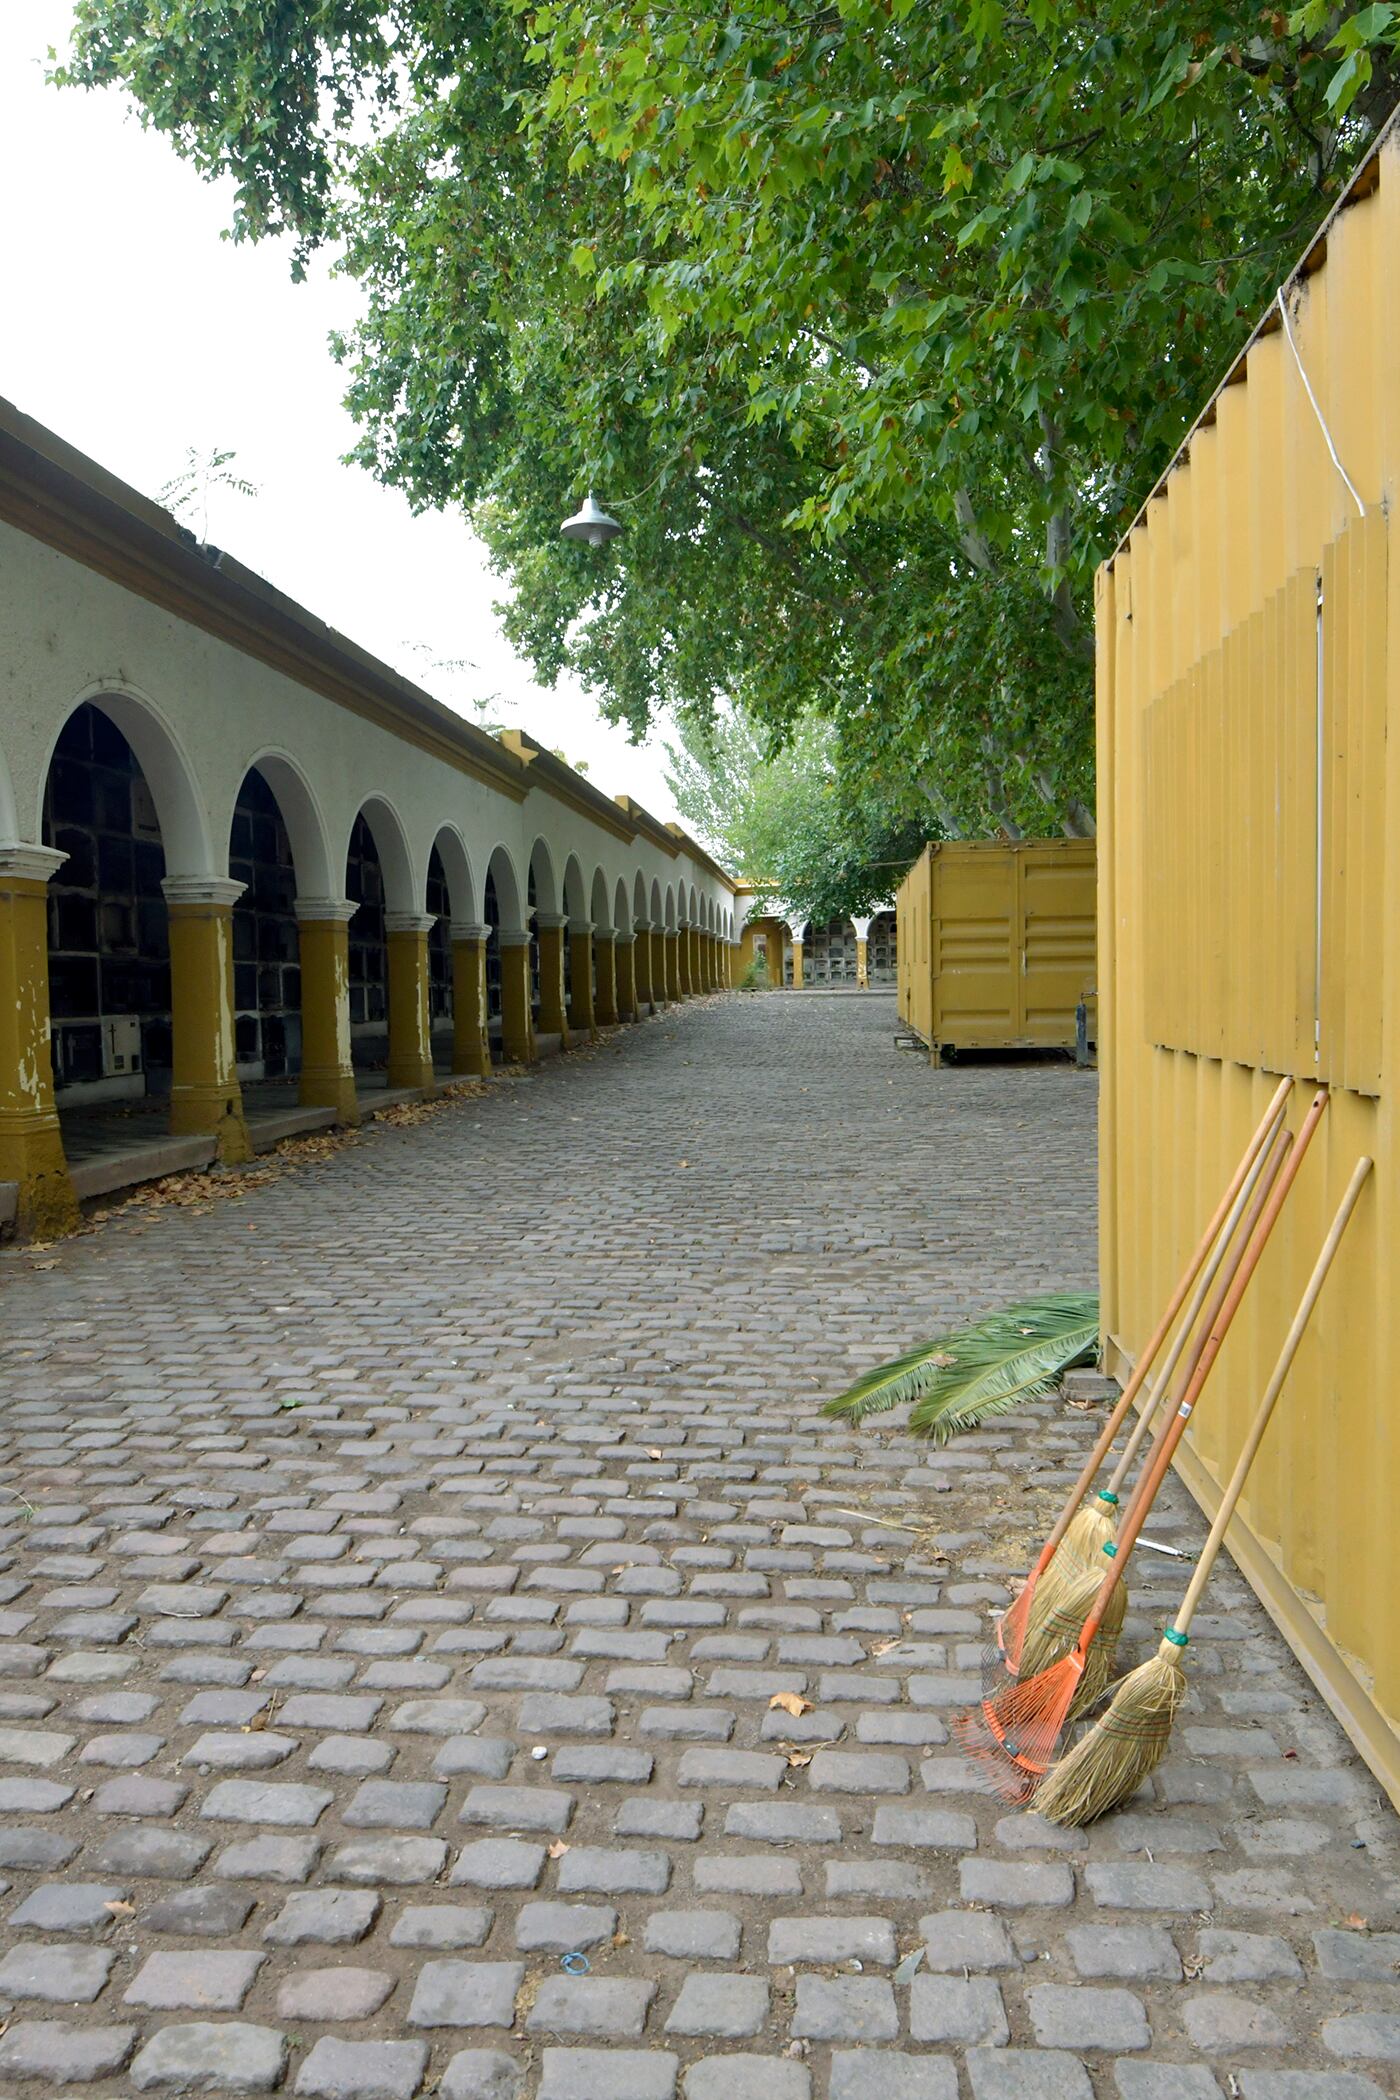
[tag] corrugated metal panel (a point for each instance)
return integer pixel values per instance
(996, 943)
(1249, 915)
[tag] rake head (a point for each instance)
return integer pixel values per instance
(1012, 1733)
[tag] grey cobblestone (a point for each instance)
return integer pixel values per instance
(376, 1707)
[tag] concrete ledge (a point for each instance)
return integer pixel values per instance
(122, 1170)
(267, 1129)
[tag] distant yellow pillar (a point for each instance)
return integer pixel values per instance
(685, 983)
(410, 1061)
(625, 972)
(327, 1071)
(205, 1097)
(554, 1018)
(471, 1041)
(711, 963)
(673, 963)
(581, 1009)
(517, 1021)
(862, 961)
(797, 958)
(641, 963)
(605, 995)
(660, 976)
(31, 1145)
(697, 967)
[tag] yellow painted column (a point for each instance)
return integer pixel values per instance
(205, 1097)
(685, 984)
(797, 958)
(410, 1060)
(327, 1071)
(605, 994)
(554, 1019)
(625, 968)
(862, 961)
(31, 1144)
(641, 964)
(581, 1010)
(673, 963)
(697, 963)
(471, 1042)
(517, 1021)
(711, 963)
(660, 980)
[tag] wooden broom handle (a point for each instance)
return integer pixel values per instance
(1229, 1501)
(1278, 1150)
(1265, 1159)
(1220, 1327)
(1148, 1355)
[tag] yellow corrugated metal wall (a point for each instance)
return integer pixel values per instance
(1249, 915)
(996, 942)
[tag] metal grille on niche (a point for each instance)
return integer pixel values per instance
(109, 947)
(439, 942)
(881, 954)
(369, 960)
(491, 914)
(266, 950)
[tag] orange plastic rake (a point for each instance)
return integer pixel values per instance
(1011, 1627)
(1013, 1735)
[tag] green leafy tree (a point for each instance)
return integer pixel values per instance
(790, 822)
(875, 320)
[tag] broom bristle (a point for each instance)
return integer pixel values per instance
(1089, 1532)
(1054, 1632)
(1125, 1745)
(1011, 1736)
(1037, 1598)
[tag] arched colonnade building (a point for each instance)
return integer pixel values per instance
(249, 874)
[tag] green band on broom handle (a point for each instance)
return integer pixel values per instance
(1223, 1209)
(1165, 1447)
(1229, 1501)
(1161, 1391)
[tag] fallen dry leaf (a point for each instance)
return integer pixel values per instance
(799, 1757)
(654, 1453)
(791, 1703)
(883, 1647)
(1354, 1922)
(557, 1849)
(120, 1909)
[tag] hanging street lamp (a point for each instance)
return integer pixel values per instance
(591, 524)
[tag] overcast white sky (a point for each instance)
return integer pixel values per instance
(134, 331)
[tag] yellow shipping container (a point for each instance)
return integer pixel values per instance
(1249, 920)
(995, 943)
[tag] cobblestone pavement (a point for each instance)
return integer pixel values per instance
(416, 1545)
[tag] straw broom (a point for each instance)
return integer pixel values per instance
(1053, 1627)
(1126, 1744)
(1011, 1628)
(1012, 1734)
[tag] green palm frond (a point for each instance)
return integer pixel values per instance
(963, 1379)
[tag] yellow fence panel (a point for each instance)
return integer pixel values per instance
(1249, 925)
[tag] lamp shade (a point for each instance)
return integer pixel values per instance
(591, 524)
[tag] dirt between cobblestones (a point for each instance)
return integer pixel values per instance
(399, 1567)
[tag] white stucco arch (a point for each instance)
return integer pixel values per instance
(180, 809)
(306, 826)
(575, 895)
(622, 917)
(670, 913)
(9, 812)
(599, 909)
(402, 891)
(451, 850)
(639, 898)
(510, 892)
(658, 909)
(541, 867)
